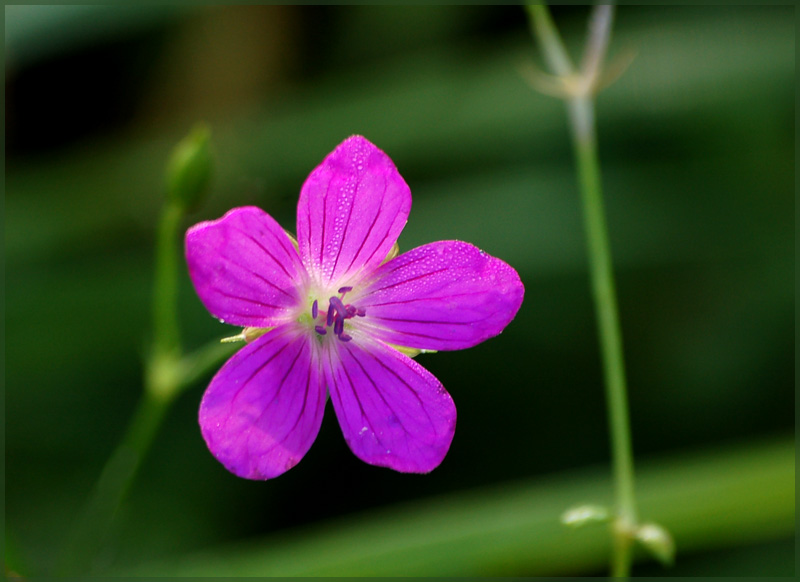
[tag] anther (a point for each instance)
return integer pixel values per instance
(337, 313)
(337, 304)
(338, 326)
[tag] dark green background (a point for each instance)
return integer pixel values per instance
(697, 150)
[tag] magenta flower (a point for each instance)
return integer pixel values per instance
(335, 313)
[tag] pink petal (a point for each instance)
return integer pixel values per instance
(446, 295)
(352, 208)
(263, 409)
(245, 268)
(393, 412)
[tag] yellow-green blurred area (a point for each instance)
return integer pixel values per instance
(697, 150)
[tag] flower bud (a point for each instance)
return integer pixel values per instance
(189, 169)
(657, 541)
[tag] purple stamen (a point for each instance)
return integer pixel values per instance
(361, 312)
(338, 325)
(314, 309)
(337, 304)
(320, 330)
(338, 312)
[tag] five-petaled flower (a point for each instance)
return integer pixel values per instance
(336, 312)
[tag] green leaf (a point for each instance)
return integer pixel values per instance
(723, 498)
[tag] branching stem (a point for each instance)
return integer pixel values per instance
(166, 373)
(580, 110)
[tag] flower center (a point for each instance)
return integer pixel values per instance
(338, 311)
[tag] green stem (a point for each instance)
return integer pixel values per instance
(202, 361)
(580, 107)
(163, 378)
(95, 521)
(166, 371)
(166, 339)
(543, 28)
(581, 114)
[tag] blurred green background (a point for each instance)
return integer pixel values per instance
(697, 150)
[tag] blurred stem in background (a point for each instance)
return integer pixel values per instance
(166, 370)
(578, 88)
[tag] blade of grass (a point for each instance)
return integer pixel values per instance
(708, 500)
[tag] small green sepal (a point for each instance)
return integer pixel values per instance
(248, 335)
(657, 541)
(411, 352)
(393, 252)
